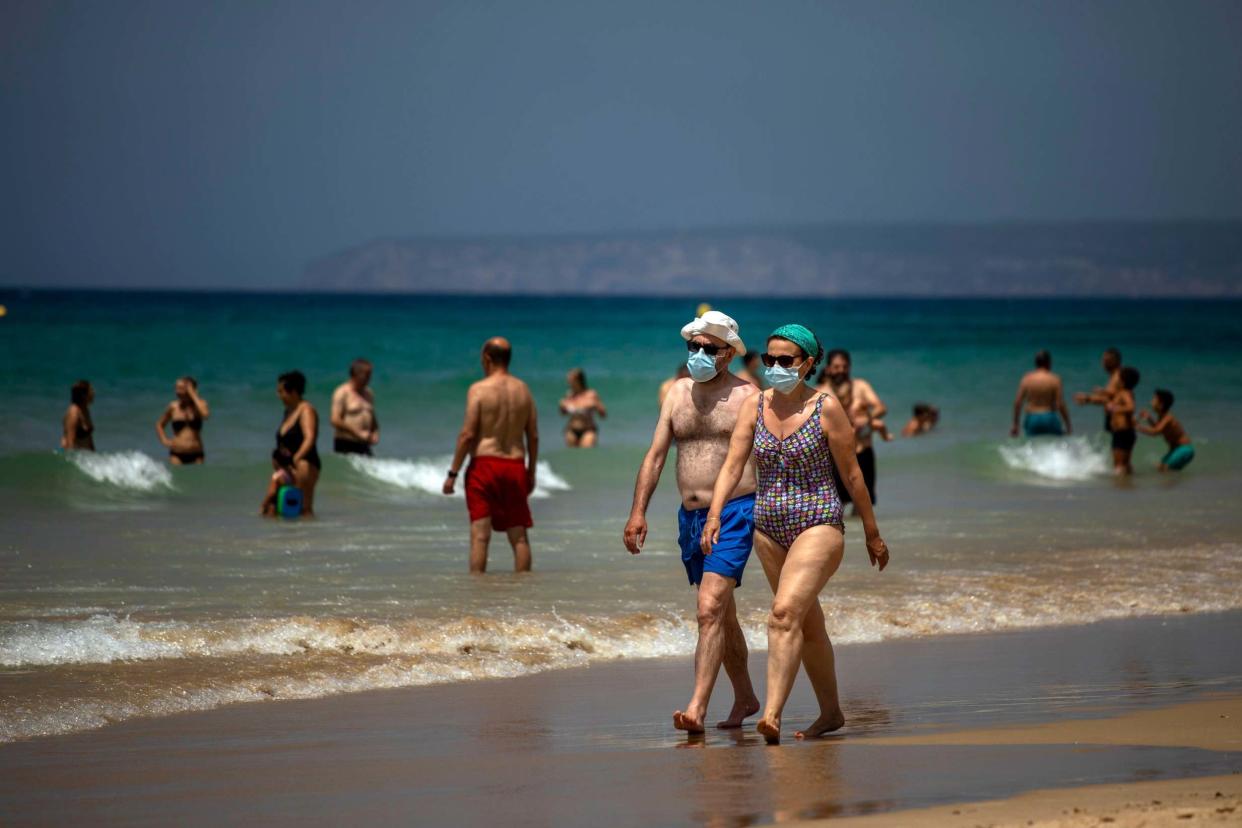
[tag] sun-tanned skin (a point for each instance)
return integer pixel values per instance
(77, 429)
(699, 417)
(796, 630)
(1040, 391)
(353, 407)
(500, 421)
(300, 412)
(1111, 363)
(190, 406)
(1162, 424)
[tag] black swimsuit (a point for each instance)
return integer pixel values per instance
(291, 441)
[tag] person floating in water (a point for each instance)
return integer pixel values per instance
(1121, 421)
(1110, 361)
(796, 435)
(581, 404)
(923, 419)
(186, 415)
(698, 416)
(1163, 424)
(500, 433)
(298, 432)
(354, 425)
(77, 428)
(283, 476)
(1040, 393)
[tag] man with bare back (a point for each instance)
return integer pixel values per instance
(1040, 393)
(698, 414)
(501, 435)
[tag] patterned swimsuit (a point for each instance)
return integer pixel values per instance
(796, 490)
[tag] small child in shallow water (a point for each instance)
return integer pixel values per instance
(282, 475)
(1163, 424)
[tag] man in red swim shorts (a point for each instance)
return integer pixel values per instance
(501, 435)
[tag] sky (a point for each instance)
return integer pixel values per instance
(228, 143)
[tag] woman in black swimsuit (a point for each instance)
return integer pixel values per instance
(78, 431)
(298, 431)
(186, 414)
(581, 404)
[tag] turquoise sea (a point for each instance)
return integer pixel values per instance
(131, 588)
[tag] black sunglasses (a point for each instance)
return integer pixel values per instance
(710, 350)
(784, 360)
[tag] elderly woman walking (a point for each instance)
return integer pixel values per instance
(796, 434)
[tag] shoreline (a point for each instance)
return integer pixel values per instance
(956, 719)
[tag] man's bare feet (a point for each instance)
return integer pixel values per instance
(684, 721)
(822, 726)
(770, 731)
(741, 709)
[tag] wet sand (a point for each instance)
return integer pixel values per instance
(932, 721)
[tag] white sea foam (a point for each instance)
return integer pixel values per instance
(1061, 458)
(131, 470)
(427, 475)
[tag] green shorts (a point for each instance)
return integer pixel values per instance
(1179, 458)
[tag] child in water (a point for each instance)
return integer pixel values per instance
(1121, 421)
(1163, 424)
(283, 475)
(923, 420)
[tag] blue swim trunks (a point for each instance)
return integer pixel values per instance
(1179, 458)
(1041, 423)
(729, 556)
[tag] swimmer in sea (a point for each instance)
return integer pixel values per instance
(354, 425)
(581, 404)
(1041, 395)
(922, 420)
(1163, 424)
(186, 414)
(282, 475)
(1110, 361)
(1121, 421)
(77, 429)
(297, 433)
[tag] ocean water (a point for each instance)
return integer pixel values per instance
(128, 587)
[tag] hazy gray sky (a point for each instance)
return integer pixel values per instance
(228, 143)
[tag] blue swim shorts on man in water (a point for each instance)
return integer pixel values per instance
(729, 556)
(1040, 423)
(1179, 458)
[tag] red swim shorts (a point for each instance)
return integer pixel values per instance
(496, 487)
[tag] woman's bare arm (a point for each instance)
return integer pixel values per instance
(841, 443)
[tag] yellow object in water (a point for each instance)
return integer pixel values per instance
(3, 310)
(703, 308)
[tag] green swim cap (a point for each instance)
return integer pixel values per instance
(800, 336)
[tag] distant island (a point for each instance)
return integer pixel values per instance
(1194, 259)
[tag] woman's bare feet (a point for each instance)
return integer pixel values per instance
(688, 723)
(741, 709)
(770, 730)
(822, 726)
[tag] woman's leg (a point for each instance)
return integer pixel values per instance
(810, 562)
(817, 656)
(571, 439)
(308, 477)
(589, 439)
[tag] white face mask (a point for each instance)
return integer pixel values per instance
(784, 380)
(702, 368)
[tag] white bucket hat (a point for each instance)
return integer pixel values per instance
(718, 325)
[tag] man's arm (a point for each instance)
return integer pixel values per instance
(532, 443)
(374, 437)
(875, 406)
(467, 438)
(1017, 407)
(635, 534)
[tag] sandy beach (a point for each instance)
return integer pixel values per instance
(954, 719)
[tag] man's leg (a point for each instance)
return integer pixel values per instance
(715, 592)
(521, 548)
(745, 702)
(480, 536)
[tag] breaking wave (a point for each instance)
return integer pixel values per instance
(1060, 459)
(427, 475)
(128, 470)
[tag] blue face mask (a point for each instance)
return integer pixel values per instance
(784, 380)
(702, 367)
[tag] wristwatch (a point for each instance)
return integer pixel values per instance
(452, 473)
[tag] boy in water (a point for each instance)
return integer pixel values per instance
(282, 475)
(1121, 421)
(923, 420)
(1163, 424)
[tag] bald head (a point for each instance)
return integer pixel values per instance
(498, 351)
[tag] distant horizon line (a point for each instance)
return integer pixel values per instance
(688, 297)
